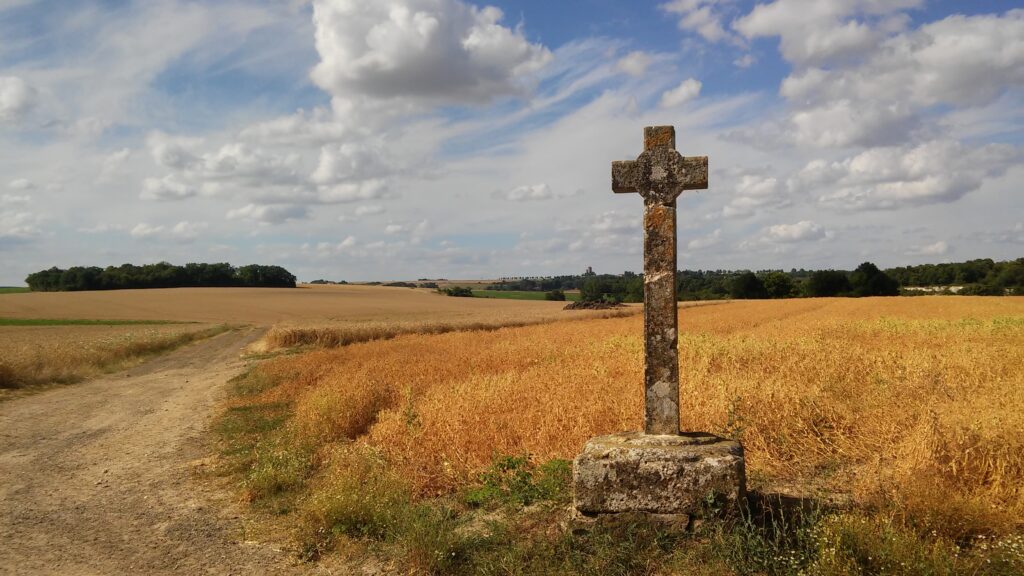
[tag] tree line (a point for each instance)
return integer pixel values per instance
(983, 276)
(975, 277)
(161, 275)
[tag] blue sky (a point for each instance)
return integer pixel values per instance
(396, 139)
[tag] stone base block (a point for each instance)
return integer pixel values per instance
(687, 474)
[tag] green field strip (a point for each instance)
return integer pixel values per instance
(520, 295)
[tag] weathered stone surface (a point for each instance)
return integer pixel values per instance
(660, 174)
(661, 352)
(659, 137)
(658, 474)
(663, 474)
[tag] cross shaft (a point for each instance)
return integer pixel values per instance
(660, 175)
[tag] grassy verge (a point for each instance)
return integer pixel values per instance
(72, 365)
(13, 290)
(81, 322)
(520, 295)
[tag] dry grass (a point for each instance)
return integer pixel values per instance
(33, 355)
(913, 406)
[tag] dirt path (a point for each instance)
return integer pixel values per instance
(98, 478)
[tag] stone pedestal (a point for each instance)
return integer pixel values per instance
(665, 476)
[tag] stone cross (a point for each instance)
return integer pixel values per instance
(660, 174)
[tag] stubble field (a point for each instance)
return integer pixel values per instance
(906, 414)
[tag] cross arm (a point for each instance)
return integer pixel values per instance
(624, 176)
(669, 171)
(695, 173)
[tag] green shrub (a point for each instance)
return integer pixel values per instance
(457, 291)
(556, 295)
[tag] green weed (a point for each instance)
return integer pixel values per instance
(516, 481)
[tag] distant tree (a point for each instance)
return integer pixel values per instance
(45, 280)
(634, 288)
(556, 295)
(779, 285)
(1011, 275)
(457, 291)
(981, 290)
(747, 286)
(824, 283)
(591, 290)
(266, 276)
(868, 280)
(160, 275)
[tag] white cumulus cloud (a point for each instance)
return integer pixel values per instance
(802, 231)
(17, 97)
(18, 227)
(268, 214)
(635, 63)
(166, 188)
(186, 231)
(894, 177)
(939, 248)
(687, 90)
(880, 98)
(527, 193)
(428, 50)
(21, 184)
(755, 193)
(370, 210)
(704, 17)
(813, 31)
(146, 230)
(705, 241)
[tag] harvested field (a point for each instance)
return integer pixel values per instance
(322, 316)
(908, 409)
(304, 305)
(62, 354)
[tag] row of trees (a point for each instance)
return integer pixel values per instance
(866, 280)
(952, 274)
(976, 277)
(161, 275)
(983, 276)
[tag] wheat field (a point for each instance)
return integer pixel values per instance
(32, 355)
(914, 406)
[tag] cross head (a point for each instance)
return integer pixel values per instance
(660, 174)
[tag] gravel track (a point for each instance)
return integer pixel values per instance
(101, 477)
